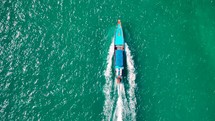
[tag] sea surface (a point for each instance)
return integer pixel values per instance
(56, 60)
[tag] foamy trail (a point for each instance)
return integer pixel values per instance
(131, 80)
(122, 110)
(108, 106)
(119, 110)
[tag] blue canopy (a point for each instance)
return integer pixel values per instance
(119, 58)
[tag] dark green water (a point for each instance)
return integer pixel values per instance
(53, 56)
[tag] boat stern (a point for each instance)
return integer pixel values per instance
(119, 71)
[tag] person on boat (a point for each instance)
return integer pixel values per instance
(118, 79)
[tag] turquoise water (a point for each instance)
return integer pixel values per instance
(53, 58)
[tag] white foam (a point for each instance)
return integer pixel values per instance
(121, 110)
(108, 106)
(131, 80)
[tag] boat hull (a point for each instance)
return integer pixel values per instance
(119, 52)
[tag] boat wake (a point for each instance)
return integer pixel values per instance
(108, 106)
(117, 106)
(132, 85)
(122, 109)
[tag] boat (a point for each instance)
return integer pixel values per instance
(119, 52)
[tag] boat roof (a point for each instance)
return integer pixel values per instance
(119, 58)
